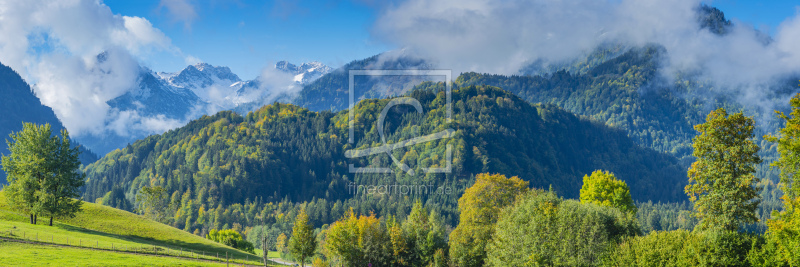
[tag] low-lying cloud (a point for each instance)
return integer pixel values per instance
(498, 36)
(55, 46)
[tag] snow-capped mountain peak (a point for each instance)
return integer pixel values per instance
(306, 72)
(201, 75)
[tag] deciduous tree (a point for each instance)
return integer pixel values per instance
(43, 173)
(721, 181)
(604, 189)
(61, 191)
(480, 208)
(784, 228)
(303, 242)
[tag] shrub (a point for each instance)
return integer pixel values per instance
(684, 248)
(230, 238)
(542, 229)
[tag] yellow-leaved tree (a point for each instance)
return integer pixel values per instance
(480, 208)
(604, 189)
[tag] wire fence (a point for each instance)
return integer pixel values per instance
(137, 248)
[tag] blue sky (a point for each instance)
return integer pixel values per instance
(763, 15)
(250, 35)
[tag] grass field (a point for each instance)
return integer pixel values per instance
(20, 254)
(105, 227)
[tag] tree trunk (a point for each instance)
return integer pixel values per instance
(35, 218)
(32, 222)
(51, 220)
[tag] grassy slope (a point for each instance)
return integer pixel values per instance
(21, 254)
(101, 225)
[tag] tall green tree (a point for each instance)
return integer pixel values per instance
(722, 185)
(603, 188)
(425, 234)
(27, 166)
(43, 173)
(784, 228)
(480, 207)
(61, 190)
(303, 242)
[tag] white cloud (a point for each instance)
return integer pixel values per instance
(273, 84)
(55, 45)
(129, 123)
(181, 10)
(191, 60)
(78, 89)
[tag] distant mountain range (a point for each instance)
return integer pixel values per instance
(200, 89)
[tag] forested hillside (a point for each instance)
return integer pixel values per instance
(227, 169)
(624, 92)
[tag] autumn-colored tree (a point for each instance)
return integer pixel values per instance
(784, 228)
(603, 188)
(480, 207)
(303, 242)
(721, 181)
(401, 253)
(359, 241)
(280, 245)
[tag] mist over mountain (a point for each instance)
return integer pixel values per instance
(19, 104)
